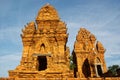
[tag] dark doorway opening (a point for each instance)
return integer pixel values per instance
(42, 61)
(86, 68)
(99, 70)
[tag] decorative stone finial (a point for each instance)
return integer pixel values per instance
(48, 4)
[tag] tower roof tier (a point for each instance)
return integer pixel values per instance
(47, 12)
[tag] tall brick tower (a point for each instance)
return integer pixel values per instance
(45, 54)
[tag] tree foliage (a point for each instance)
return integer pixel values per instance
(72, 65)
(113, 69)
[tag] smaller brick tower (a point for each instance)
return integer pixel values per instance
(88, 55)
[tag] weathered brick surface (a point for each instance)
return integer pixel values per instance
(107, 78)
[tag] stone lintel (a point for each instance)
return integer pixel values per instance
(40, 54)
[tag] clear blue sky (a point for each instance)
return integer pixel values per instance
(100, 17)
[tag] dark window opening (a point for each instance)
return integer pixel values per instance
(99, 70)
(42, 61)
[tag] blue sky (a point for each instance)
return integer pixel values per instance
(100, 17)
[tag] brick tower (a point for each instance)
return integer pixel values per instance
(45, 54)
(88, 55)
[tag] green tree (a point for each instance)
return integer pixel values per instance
(113, 69)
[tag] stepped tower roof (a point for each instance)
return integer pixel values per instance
(47, 12)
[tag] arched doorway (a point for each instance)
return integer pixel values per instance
(86, 68)
(42, 63)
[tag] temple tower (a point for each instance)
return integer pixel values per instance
(45, 54)
(88, 55)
